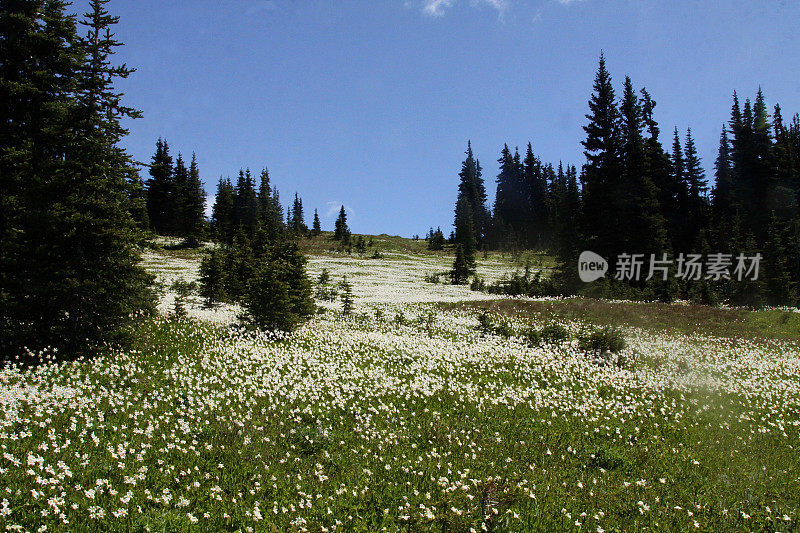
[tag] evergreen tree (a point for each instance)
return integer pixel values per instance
(298, 219)
(436, 240)
(137, 196)
(465, 231)
(347, 297)
(504, 197)
(601, 202)
(659, 169)
(471, 186)
(723, 191)
(534, 193)
(222, 217)
(245, 204)
(680, 228)
(462, 270)
(316, 228)
(194, 206)
(177, 213)
(696, 186)
(69, 269)
(341, 231)
(160, 190)
(278, 294)
(213, 277)
(642, 222)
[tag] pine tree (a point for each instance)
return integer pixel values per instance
(222, 217)
(696, 186)
(471, 186)
(465, 231)
(161, 190)
(177, 208)
(341, 231)
(194, 206)
(245, 204)
(642, 222)
(298, 219)
(316, 228)
(602, 170)
(69, 269)
(278, 295)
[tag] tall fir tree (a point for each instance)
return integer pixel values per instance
(698, 220)
(341, 231)
(471, 185)
(536, 201)
(160, 190)
(69, 268)
(245, 204)
(177, 211)
(298, 225)
(222, 218)
(642, 222)
(465, 230)
(316, 227)
(601, 173)
(723, 190)
(194, 206)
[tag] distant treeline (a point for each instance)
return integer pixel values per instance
(633, 196)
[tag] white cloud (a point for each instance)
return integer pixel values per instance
(500, 5)
(437, 8)
(568, 2)
(334, 207)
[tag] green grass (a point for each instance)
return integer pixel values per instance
(672, 318)
(701, 459)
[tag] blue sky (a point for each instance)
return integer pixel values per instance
(370, 103)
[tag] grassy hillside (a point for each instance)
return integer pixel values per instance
(407, 417)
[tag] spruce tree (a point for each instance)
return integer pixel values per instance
(161, 190)
(245, 204)
(696, 186)
(278, 294)
(465, 231)
(298, 225)
(642, 220)
(534, 196)
(504, 197)
(69, 267)
(602, 171)
(177, 208)
(471, 186)
(137, 196)
(269, 209)
(341, 231)
(316, 228)
(722, 193)
(194, 206)
(222, 216)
